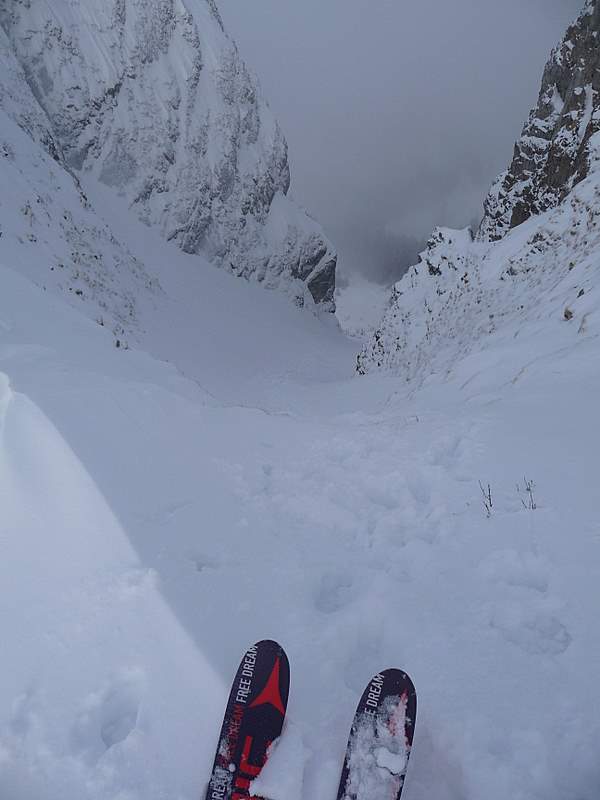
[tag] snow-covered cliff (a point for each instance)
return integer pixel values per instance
(559, 144)
(48, 229)
(531, 269)
(152, 98)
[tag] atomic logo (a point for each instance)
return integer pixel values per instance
(271, 694)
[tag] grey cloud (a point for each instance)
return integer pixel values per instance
(398, 114)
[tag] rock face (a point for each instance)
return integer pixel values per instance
(558, 144)
(48, 229)
(532, 265)
(152, 98)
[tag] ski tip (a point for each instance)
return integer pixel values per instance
(390, 682)
(268, 651)
(271, 646)
(396, 680)
(398, 675)
(384, 722)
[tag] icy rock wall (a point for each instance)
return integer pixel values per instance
(152, 98)
(559, 144)
(48, 229)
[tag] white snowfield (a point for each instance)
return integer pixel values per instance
(232, 479)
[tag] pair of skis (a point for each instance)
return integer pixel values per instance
(378, 747)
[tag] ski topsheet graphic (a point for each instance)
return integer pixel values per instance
(380, 739)
(253, 719)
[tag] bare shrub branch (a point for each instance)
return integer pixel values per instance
(487, 498)
(526, 494)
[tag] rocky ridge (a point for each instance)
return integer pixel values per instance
(558, 145)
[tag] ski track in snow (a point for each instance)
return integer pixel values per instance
(161, 512)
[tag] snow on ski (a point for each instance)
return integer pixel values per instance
(380, 739)
(253, 720)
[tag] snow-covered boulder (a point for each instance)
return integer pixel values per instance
(152, 98)
(533, 263)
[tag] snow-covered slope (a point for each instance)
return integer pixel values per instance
(90, 644)
(48, 229)
(539, 282)
(153, 99)
(537, 278)
(154, 523)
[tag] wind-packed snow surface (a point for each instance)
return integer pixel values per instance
(163, 509)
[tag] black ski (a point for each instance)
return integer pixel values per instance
(380, 740)
(253, 719)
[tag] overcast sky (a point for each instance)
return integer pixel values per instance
(398, 113)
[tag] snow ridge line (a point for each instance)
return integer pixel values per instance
(5, 399)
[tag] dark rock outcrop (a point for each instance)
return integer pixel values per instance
(558, 142)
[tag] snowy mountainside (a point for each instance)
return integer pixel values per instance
(153, 99)
(162, 510)
(531, 268)
(18, 103)
(541, 280)
(48, 229)
(230, 478)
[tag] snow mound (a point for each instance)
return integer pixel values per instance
(283, 776)
(90, 664)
